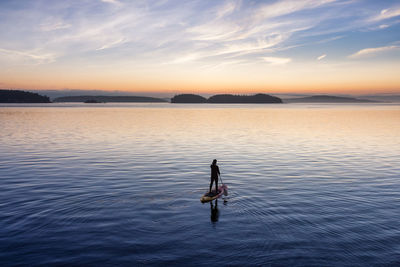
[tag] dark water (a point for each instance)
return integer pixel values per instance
(108, 185)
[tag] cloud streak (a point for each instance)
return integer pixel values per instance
(175, 32)
(114, 2)
(277, 60)
(53, 26)
(178, 30)
(373, 51)
(387, 14)
(281, 8)
(35, 58)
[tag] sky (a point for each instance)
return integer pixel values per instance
(202, 46)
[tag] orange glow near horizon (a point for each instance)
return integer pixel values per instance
(304, 78)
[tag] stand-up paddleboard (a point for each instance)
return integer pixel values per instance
(209, 196)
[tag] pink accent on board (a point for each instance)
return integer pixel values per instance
(222, 189)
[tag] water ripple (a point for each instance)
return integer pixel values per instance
(120, 185)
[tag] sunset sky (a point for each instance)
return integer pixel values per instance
(202, 46)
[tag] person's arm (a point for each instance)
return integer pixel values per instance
(218, 170)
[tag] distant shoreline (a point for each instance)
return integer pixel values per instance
(18, 96)
(110, 99)
(226, 99)
(328, 99)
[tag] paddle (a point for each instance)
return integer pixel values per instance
(225, 188)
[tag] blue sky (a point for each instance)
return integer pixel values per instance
(175, 45)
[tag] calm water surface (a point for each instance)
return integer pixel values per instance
(109, 184)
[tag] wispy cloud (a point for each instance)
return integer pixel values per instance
(373, 51)
(227, 9)
(281, 8)
(53, 26)
(115, 2)
(141, 39)
(112, 44)
(179, 32)
(277, 60)
(383, 26)
(258, 31)
(35, 58)
(186, 58)
(387, 14)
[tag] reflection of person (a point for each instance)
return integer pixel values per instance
(214, 175)
(214, 211)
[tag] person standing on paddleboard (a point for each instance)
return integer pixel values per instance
(214, 175)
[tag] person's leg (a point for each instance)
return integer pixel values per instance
(211, 183)
(216, 185)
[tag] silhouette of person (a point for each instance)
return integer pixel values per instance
(214, 175)
(214, 211)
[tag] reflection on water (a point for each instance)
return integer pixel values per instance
(313, 185)
(214, 211)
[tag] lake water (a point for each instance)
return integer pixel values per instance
(120, 184)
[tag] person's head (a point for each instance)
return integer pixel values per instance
(214, 162)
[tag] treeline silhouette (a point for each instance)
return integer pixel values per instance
(226, 98)
(188, 98)
(17, 96)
